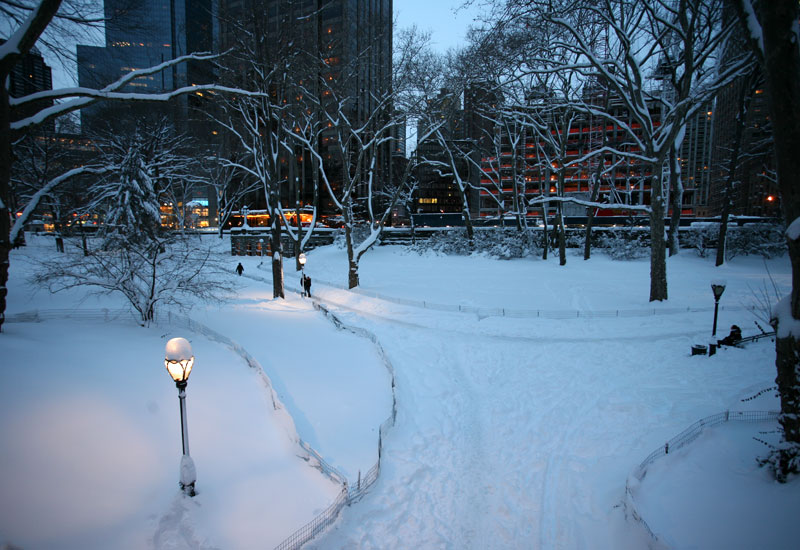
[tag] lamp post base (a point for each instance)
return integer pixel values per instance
(188, 476)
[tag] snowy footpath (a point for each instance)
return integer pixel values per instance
(511, 432)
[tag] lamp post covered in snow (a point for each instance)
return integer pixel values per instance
(179, 361)
(717, 287)
(301, 259)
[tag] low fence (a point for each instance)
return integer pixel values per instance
(681, 440)
(350, 492)
(533, 313)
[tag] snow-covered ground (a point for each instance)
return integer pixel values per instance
(512, 432)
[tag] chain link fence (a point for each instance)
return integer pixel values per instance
(681, 440)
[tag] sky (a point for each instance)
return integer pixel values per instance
(447, 20)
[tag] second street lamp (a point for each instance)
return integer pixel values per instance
(179, 362)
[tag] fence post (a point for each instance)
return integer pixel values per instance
(666, 448)
(359, 480)
(727, 415)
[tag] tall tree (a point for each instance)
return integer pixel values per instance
(772, 29)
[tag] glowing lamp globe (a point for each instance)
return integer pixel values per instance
(179, 360)
(302, 259)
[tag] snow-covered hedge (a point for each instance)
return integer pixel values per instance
(503, 244)
(619, 243)
(630, 244)
(762, 239)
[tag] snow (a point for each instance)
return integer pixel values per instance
(793, 231)
(178, 349)
(511, 432)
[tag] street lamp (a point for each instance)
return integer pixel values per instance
(245, 211)
(717, 287)
(179, 361)
(261, 247)
(301, 259)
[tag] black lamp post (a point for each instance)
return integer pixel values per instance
(179, 361)
(717, 287)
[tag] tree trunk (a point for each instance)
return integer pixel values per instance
(658, 249)
(781, 65)
(466, 216)
(519, 209)
(6, 158)
(277, 256)
(352, 261)
(546, 240)
(297, 182)
(723, 227)
(676, 201)
(788, 363)
(562, 237)
(587, 240)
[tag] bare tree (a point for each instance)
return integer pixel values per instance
(650, 42)
(162, 272)
(735, 156)
(230, 186)
(358, 131)
(30, 22)
(256, 124)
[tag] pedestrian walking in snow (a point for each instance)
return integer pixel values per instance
(239, 269)
(307, 286)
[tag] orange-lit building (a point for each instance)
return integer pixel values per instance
(626, 179)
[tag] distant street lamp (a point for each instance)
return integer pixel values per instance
(717, 287)
(179, 361)
(301, 259)
(245, 211)
(261, 248)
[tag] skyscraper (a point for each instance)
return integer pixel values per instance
(30, 75)
(339, 48)
(140, 35)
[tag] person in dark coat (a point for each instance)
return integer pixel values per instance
(239, 269)
(307, 285)
(733, 338)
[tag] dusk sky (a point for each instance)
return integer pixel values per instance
(448, 28)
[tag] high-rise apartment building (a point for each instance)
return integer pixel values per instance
(30, 75)
(143, 34)
(347, 44)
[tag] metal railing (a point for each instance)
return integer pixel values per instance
(532, 313)
(316, 525)
(681, 440)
